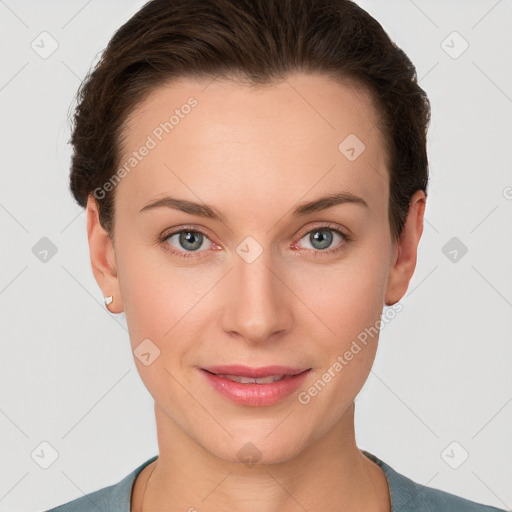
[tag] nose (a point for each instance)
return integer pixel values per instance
(258, 304)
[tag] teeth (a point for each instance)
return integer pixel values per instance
(250, 380)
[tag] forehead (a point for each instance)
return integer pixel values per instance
(226, 143)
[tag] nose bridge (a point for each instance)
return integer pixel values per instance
(257, 306)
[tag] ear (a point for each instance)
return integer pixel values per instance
(404, 260)
(103, 260)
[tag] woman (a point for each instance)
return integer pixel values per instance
(255, 178)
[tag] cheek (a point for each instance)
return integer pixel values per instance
(164, 303)
(159, 307)
(347, 297)
(349, 300)
(151, 288)
(350, 303)
(150, 302)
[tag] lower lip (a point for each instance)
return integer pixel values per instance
(256, 395)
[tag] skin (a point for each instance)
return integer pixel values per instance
(255, 155)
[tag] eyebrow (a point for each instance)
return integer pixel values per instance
(205, 210)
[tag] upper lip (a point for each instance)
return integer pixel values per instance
(247, 371)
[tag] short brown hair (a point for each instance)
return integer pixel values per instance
(256, 42)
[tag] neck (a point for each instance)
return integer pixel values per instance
(329, 473)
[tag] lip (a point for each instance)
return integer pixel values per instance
(255, 395)
(247, 371)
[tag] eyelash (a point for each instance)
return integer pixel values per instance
(162, 240)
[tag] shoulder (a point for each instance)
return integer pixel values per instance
(114, 498)
(407, 495)
(428, 499)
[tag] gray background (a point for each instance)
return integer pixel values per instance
(441, 386)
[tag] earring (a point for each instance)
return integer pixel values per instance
(108, 300)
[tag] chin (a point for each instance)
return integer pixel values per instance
(256, 449)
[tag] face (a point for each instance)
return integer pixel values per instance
(268, 282)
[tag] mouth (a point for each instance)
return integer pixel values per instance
(255, 386)
(260, 375)
(251, 380)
